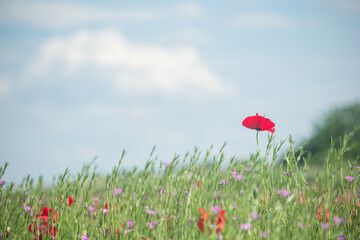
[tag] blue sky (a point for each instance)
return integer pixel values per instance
(80, 79)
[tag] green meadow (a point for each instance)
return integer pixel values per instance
(199, 195)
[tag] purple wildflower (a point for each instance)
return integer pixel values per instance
(2, 183)
(301, 225)
(342, 237)
(151, 212)
(338, 220)
(284, 193)
(191, 221)
(91, 208)
(167, 164)
(350, 178)
(264, 234)
(223, 182)
(287, 173)
(237, 177)
(325, 225)
(152, 224)
(216, 209)
(83, 237)
(118, 191)
(254, 215)
(27, 209)
(235, 217)
(234, 206)
(248, 169)
(130, 224)
(127, 231)
(245, 226)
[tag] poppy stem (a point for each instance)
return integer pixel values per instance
(257, 142)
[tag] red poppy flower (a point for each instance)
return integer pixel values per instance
(259, 123)
(219, 218)
(43, 226)
(327, 214)
(70, 200)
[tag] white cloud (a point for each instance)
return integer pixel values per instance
(260, 21)
(188, 36)
(131, 68)
(64, 15)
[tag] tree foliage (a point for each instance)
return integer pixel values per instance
(332, 127)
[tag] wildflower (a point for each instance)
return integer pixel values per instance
(338, 220)
(254, 215)
(191, 221)
(327, 213)
(325, 225)
(151, 212)
(2, 183)
(167, 164)
(259, 123)
(264, 234)
(130, 224)
(43, 226)
(235, 217)
(350, 178)
(216, 209)
(27, 209)
(284, 193)
(237, 176)
(287, 173)
(83, 237)
(118, 191)
(152, 224)
(235, 206)
(217, 221)
(127, 231)
(70, 200)
(91, 208)
(223, 182)
(301, 225)
(342, 237)
(246, 226)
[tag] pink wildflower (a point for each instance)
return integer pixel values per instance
(338, 220)
(350, 178)
(284, 193)
(264, 234)
(245, 226)
(325, 225)
(254, 215)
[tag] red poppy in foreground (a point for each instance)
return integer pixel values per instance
(43, 227)
(259, 123)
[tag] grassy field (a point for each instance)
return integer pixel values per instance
(192, 197)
